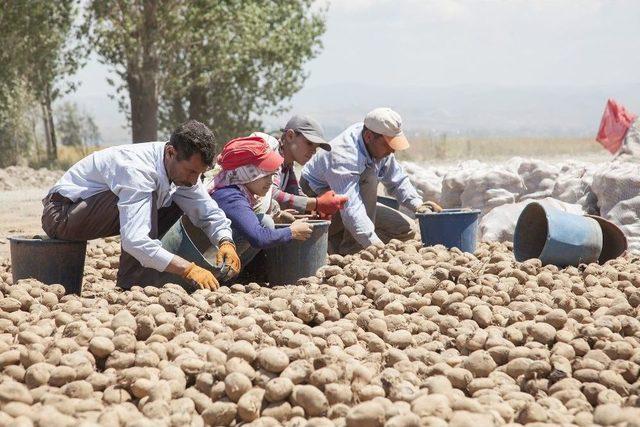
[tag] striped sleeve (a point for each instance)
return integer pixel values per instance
(287, 192)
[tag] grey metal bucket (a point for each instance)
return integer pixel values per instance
(50, 261)
(297, 259)
(556, 237)
(189, 242)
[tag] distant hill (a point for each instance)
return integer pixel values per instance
(468, 110)
(479, 111)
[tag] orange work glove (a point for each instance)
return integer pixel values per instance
(330, 202)
(227, 253)
(201, 277)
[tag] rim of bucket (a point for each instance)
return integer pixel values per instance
(186, 234)
(614, 242)
(43, 239)
(312, 222)
(458, 211)
(517, 253)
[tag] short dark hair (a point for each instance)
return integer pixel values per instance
(375, 134)
(193, 137)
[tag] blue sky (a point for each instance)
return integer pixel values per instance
(442, 43)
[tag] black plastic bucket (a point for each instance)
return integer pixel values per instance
(50, 261)
(389, 201)
(294, 260)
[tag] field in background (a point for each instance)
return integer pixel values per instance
(67, 157)
(451, 149)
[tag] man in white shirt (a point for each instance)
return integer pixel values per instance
(139, 191)
(360, 158)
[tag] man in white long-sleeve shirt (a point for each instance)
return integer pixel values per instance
(360, 157)
(139, 191)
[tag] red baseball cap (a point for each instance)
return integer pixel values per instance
(250, 150)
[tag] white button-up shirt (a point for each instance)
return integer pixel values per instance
(340, 170)
(134, 172)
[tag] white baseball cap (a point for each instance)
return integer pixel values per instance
(388, 123)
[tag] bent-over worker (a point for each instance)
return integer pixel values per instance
(139, 191)
(301, 137)
(360, 157)
(248, 166)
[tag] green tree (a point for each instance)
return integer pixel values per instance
(224, 62)
(17, 133)
(239, 60)
(77, 129)
(130, 36)
(39, 51)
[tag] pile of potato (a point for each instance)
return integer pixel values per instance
(398, 335)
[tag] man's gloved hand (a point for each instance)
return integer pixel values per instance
(330, 202)
(428, 206)
(201, 277)
(227, 254)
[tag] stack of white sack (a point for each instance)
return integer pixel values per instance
(454, 181)
(499, 225)
(489, 188)
(617, 187)
(539, 178)
(573, 185)
(428, 181)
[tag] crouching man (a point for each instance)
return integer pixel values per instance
(139, 191)
(360, 158)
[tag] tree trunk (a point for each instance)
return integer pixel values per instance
(47, 133)
(52, 129)
(143, 80)
(144, 107)
(198, 104)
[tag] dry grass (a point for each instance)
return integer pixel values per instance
(70, 155)
(67, 156)
(499, 148)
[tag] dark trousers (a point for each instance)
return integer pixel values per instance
(98, 216)
(389, 223)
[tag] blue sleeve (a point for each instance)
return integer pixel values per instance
(237, 208)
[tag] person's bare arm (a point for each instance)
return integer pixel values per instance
(178, 265)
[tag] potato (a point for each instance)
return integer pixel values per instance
(479, 363)
(278, 389)
(12, 391)
(101, 347)
(273, 359)
(220, 413)
(367, 414)
(431, 405)
(312, 400)
(250, 404)
(236, 384)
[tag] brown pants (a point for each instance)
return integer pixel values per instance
(389, 223)
(98, 216)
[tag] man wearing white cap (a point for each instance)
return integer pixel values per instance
(360, 157)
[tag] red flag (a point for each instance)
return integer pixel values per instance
(616, 120)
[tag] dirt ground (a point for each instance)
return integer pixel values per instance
(20, 212)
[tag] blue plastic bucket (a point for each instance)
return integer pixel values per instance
(453, 228)
(556, 237)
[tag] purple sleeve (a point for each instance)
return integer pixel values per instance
(245, 222)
